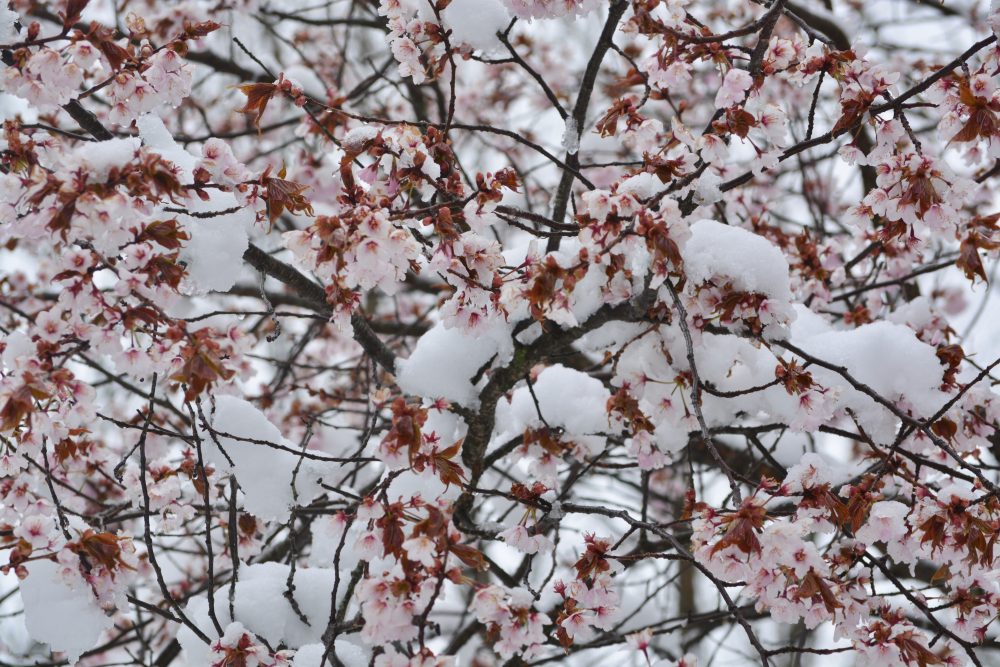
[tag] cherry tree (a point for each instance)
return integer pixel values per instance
(415, 333)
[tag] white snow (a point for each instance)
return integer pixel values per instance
(408, 483)
(264, 473)
(807, 323)
(642, 184)
(444, 362)
(814, 469)
(327, 533)
(349, 655)
(8, 35)
(588, 294)
(113, 154)
(750, 261)
(262, 608)
(356, 137)
(747, 260)
(157, 137)
(65, 616)
(889, 359)
(214, 255)
(476, 22)
(310, 655)
(571, 136)
(732, 363)
(567, 399)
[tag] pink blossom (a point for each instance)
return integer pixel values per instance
(733, 89)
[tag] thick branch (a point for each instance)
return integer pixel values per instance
(579, 114)
(316, 295)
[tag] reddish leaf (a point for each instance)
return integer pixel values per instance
(449, 471)
(794, 379)
(592, 561)
(103, 39)
(405, 433)
(851, 112)
(391, 524)
(74, 9)
(102, 549)
(203, 365)
(200, 29)
(166, 233)
(969, 260)
(814, 586)
(18, 406)
(471, 556)
(743, 528)
(282, 195)
(258, 95)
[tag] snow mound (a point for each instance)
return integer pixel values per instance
(722, 253)
(214, 254)
(265, 474)
(889, 359)
(445, 361)
(567, 399)
(476, 22)
(261, 606)
(750, 261)
(63, 615)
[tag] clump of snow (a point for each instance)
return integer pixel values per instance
(356, 138)
(310, 655)
(567, 399)
(476, 22)
(214, 254)
(747, 260)
(445, 361)
(157, 137)
(8, 34)
(888, 358)
(812, 470)
(753, 263)
(113, 154)
(63, 614)
(588, 295)
(571, 136)
(548, 9)
(731, 363)
(264, 473)
(328, 533)
(706, 188)
(349, 655)
(643, 185)
(261, 607)
(808, 323)
(472, 22)
(407, 484)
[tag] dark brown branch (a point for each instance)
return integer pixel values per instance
(315, 293)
